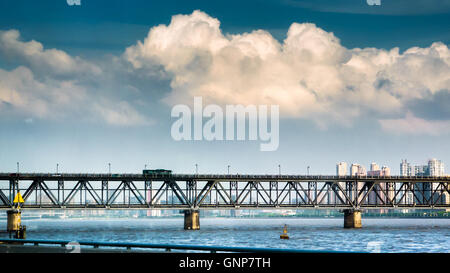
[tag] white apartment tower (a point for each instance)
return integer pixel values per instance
(354, 169)
(435, 167)
(357, 169)
(386, 171)
(341, 169)
(406, 168)
(374, 167)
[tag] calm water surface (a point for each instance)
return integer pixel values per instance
(392, 235)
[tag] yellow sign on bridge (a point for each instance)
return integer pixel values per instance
(18, 198)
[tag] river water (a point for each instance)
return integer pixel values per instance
(377, 235)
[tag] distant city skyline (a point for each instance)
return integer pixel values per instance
(434, 167)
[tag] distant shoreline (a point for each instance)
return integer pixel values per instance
(222, 217)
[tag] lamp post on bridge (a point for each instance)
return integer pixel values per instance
(109, 168)
(279, 169)
(307, 170)
(196, 168)
(228, 169)
(57, 168)
(16, 184)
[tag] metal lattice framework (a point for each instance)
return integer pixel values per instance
(178, 191)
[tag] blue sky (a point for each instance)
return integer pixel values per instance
(96, 24)
(83, 100)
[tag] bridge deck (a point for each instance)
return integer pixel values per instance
(219, 191)
(222, 177)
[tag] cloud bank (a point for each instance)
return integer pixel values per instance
(310, 74)
(49, 84)
(50, 60)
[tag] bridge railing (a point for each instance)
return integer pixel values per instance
(219, 176)
(164, 247)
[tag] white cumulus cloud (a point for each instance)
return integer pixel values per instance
(48, 60)
(310, 74)
(35, 89)
(21, 92)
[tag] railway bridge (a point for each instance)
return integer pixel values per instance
(193, 192)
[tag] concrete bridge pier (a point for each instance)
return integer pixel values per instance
(352, 218)
(191, 220)
(14, 225)
(13, 222)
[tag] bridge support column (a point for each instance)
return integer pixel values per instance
(14, 225)
(13, 222)
(191, 220)
(352, 219)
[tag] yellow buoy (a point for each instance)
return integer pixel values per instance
(284, 235)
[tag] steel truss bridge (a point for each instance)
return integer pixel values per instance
(209, 191)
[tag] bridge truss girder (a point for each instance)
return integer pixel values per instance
(171, 193)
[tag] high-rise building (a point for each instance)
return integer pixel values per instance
(374, 167)
(362, 170)
(406, 168)
(435, 167)
(445, 199)
(421, 170)
(389, 188)
(380, 188)
(422, 191)
(375, 170)
(354, 169)
(357, 169)
(341, 169)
